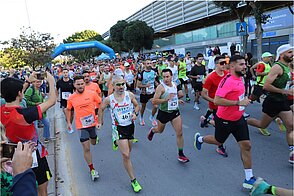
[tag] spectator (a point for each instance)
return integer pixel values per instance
(232, 48)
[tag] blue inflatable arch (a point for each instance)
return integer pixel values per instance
(82, 45)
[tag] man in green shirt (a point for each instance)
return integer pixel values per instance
(182, 67)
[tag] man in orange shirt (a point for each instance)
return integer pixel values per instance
(84, 103)
(91, 85)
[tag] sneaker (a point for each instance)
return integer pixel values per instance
(202, 121)
(260, 187)
(114, 146)
(183, 159)
(70, 131)
(197, 144)
(97, 140)
(264, 132)
(142, 122)
(196, 107)
(150, 134)
(46, 140)
(188, 99)
(136, 186)
(153, 121)
(280, 125)
(248, 184)
(246, 115)
(291, 157)
(94, 174)
(135, 140)
(222, 151)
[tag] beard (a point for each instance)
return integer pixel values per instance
(240, 73)
(287, 59)
(81, 90)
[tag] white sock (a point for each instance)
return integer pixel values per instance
(200, 139)
(248, 173)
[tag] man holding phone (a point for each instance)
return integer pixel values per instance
(18, 122)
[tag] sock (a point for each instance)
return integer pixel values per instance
(271, 190)
(200, 139)
(208, 113)
(248, 174)
(291, 147)
(187, 95)
(221, 146)
(133, 180)
(91, 166)
(181, 153)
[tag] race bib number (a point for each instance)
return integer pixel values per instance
(35, 160)
(87, 120)
(93, 77)
(241, 108)
(124, 115)
(288, 85)
(200, 79)
(173, 103)
(130, 82)
(65, 95)
(150, 89)
(185, 78)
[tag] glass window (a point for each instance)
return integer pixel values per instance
(184, 38)
(226, 29)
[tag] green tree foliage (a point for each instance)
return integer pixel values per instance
(31, 47)
(12, 58)
(134, 36)
(83, 36)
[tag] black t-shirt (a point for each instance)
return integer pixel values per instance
(198, 70)
(65, 87)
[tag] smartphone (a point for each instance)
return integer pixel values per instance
(8, 150)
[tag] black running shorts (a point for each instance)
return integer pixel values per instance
(224, 128)
(126, 132)
(87, 133)
(42, 172)
(273, 108)
(165, 117)
(144, 98)
(198, 86)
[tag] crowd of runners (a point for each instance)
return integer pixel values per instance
(85, 90)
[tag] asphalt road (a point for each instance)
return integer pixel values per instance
(156, 165)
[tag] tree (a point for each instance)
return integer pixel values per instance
(36, 46)
(116, 36)
(12, 58)
(241, 14)
(86, 35)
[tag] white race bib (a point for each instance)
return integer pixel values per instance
(241, 108)
(200, 79)
(173, 103)
(87, 120)
(35, 160)
(150, 89)
(65, 95)
(185, 78)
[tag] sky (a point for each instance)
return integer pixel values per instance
(62, 18)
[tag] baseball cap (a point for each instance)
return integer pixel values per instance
(266, 54)
(126, 64)
(282, 49)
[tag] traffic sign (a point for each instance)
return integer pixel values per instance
(241, 28)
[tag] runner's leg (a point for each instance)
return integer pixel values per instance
(124, 147)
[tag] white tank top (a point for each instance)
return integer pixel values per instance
(129, 77)
(121, 112)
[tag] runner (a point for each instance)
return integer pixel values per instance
(91, 85)
(19, 126)
(276, 103)
(124, 111)
(147, 84)
(129, 77)
(172, 66)
(166, 96)
(66, 89)
(197, 74)
(229, 116)
(104, 78)
(84, 103)
(183, 77)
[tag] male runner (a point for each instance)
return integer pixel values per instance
(84, 103)
(147, 84)
(276, 104)
(66, 89)
(124, 110)
(129, 77)
(183, 76)
(105, 76)
(91, 85)
(166, 96)
(229, 116)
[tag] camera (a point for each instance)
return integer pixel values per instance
(8, 150)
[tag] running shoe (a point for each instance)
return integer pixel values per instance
(197, 144)
(97, 140)
(114, 146)
(248, 184)
(222, 151)
(202, 121)
(183, 159)
(150, 134)
(280, 125)
(260, 187)
(188, 99)
(135, 140)
(70, 131)
(94, 174)
(153, 121)
(264, 132)
(291, 157)
(246, 115)
(136, 186)
(196, 106)
(142, 122)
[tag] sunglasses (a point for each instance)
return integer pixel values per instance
(223, 63)
(120, 84)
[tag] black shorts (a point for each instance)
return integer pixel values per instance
(42, 172)
(224, 128)
(131, 87)
(182, 81)
(273, 108)
(145, 98)
(87, 133)
(63, 103)
(290, 102)
(126, 132)
(105, 93)
(258, 91)
(165, 117)
(179, 87)
(198, 86)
